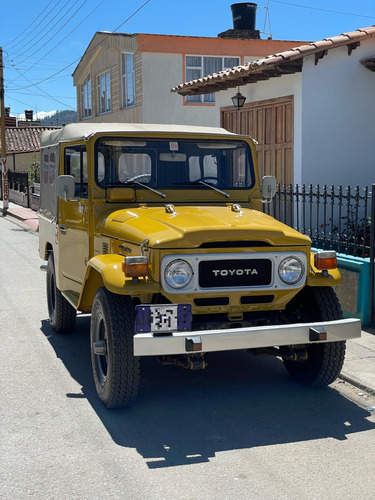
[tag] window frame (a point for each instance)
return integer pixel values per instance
(104, 107)
(86, 97)
(205, 98)
(80, 174)
(127, 81)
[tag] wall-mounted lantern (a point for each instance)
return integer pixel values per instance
(238, 99)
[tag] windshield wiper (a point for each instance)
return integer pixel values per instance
(199, 181)
(147, 187)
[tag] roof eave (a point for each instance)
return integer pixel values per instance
(287, 62)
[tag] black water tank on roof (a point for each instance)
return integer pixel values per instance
(244, 15)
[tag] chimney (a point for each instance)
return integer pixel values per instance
(244, 15)
(29, 115)
(10, 121)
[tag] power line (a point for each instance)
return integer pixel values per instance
(29, 26)
(50, 29)
(66, 36)
(93, 48)
(46, 94)
(323, 10)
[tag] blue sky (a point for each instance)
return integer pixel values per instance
(43, 40)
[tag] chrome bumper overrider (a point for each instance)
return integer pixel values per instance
(146, 344)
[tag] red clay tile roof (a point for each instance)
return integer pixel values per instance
(24, 140)
(289, 61)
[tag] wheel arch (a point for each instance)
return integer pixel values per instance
(106, 271)
(48, 248)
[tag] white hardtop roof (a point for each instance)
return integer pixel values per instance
(83, 131)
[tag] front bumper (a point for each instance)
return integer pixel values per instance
(146, 344)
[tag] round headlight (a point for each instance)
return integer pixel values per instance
(178, 273)
(291, 270)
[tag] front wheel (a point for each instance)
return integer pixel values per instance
(61, 313)
(115, 368)
(324, 360)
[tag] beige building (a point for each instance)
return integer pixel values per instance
(127, 77)
(23, 146)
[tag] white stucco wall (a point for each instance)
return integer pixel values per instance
(270, 89)
(338, 143)
(161, 72)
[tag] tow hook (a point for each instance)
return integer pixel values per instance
(189, 362)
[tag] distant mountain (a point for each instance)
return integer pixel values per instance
(58, 118)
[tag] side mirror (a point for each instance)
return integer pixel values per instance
(66, 187)
(268, 188)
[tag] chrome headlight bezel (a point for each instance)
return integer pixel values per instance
(291, 270)
(178, 274)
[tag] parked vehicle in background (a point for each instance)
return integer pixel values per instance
(157, 231)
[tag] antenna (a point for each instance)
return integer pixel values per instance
(267, 16)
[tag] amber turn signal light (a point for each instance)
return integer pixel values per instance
(325, 260)
(135, 267)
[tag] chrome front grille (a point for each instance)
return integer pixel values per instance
(231, 272)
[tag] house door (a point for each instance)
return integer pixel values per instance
(270, 123)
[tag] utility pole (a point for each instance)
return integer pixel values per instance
(4, 171)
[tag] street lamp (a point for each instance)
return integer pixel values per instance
(238, 99)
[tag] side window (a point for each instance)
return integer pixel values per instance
(86, 106)
(75, 164)
(199, 66)
(104, 92)
(128, 80)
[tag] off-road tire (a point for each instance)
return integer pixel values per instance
(61, 313)
(325, 360)
(116, 373)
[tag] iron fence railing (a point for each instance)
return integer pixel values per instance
(333, 217)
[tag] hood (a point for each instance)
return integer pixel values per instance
(190, 227)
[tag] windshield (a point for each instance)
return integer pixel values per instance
(174, 164)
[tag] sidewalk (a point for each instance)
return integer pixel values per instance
(359, 366)
(26, 215)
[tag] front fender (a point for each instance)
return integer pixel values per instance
(106, 270)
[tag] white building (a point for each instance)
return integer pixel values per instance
(315, 123)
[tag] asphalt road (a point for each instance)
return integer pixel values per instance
(241, 429)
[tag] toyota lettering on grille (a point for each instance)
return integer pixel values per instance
(232, 272)
(235, 273)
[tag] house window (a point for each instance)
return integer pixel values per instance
(104, 92)
(198, 66)
(128, 80)
(86, 106)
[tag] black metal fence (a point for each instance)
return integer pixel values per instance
(333, 217)
(336, 218)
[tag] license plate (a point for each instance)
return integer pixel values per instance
(163, 318)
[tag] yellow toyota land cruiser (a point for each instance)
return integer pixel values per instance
(158, 232)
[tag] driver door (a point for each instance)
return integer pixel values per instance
(73, 228)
